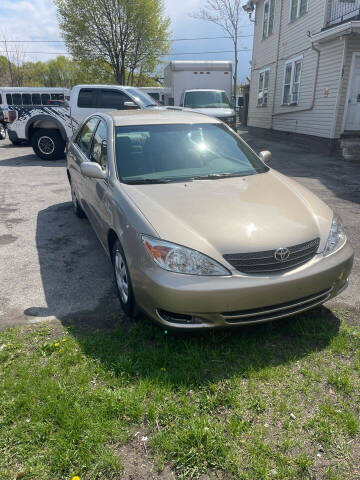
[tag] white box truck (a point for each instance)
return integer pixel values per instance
(205, 86)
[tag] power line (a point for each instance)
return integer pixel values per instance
(172, 40)
(161, 55)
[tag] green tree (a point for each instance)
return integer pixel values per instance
(130, 35)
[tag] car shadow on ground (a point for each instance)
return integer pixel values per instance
(30, 161)
(75, 271)
(308, 159)
(79, 290)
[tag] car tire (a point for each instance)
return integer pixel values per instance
(48, 144)
(122, 280)
(2, 132)
(79, 212)
(16, 143)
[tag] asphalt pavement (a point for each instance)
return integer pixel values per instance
(52, 267)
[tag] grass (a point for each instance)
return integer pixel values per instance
(277, 401)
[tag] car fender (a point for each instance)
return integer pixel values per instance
(45, 121)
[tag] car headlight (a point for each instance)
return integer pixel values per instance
(179, 259)
(337, 236)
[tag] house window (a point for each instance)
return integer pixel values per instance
(263, 88)
(268, 20)
(292, 76)
(298, 8)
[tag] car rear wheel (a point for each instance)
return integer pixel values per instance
(122, 280)
(79, 212)
(2, 132)
(48, 144)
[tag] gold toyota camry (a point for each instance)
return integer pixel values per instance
(201, 232)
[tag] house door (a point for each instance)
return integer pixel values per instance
(352, 121)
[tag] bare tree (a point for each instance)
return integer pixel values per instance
(225, 14)
(16, 56)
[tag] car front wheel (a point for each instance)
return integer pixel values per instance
(79, 212)
(122, 280)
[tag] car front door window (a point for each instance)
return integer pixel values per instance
(113, 99)
(86, 134)
(98, 152)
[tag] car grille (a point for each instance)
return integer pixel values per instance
(277, 311)
(265, 262)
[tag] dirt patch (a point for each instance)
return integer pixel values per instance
(138, 465)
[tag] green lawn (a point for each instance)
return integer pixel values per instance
(276, 401)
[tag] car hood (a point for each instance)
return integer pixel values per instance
(234, 215)
(216, 112)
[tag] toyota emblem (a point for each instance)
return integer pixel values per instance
(281, 254)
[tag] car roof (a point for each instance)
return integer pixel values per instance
(204, 90)
(158, 117)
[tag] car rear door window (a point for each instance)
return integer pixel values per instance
(112, 99)
(98, 151)
(87, 98)
(86, 134)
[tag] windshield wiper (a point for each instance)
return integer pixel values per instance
(215, 176)
(144, 181)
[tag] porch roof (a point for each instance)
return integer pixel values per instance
(336, 31)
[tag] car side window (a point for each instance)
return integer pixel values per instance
(86, 134)
(98, 152)
(113, 99)
(86, 98)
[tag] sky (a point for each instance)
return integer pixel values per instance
(36, 20)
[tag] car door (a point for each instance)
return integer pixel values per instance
(98, 189)
(86, 103)
(78, 152)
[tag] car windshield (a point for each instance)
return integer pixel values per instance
(142, 98)
(173, 153)
(206, 99)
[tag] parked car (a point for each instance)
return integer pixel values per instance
(200, 231)
(15, 98)
(202, 85)
(48, 122)
(210, 102)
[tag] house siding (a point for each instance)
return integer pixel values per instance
(320, 115)
(319, 119)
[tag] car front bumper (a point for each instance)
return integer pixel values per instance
(195, 302)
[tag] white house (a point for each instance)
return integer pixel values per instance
(305, 69)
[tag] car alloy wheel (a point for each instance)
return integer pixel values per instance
(121, 277)
(46, 145)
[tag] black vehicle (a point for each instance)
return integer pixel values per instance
(2, 126)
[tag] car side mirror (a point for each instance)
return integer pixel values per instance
(265, 156)
(130, 105)
(92, 170)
